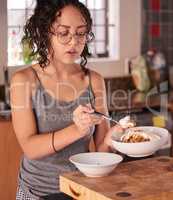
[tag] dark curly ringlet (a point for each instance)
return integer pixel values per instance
(38, 27)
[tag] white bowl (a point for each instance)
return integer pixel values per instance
(142, 149)
(96, 164)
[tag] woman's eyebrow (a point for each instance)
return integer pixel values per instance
(82, 26)
(65, 26)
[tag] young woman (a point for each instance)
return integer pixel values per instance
(53, 101)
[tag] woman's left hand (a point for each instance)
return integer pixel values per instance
(114, 129)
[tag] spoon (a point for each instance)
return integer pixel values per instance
(105, 116)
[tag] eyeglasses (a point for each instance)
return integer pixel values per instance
(82, 37)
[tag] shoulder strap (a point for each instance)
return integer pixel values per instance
(36, 75)
(90, 87)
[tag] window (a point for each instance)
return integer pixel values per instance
(19, 11)
(99, 11)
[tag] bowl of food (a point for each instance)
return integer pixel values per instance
(96, 164)
(140, 141)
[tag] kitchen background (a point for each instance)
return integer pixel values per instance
(125, 30)
(129, 28)
(157, 23)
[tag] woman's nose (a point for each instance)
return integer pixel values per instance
(74, 39)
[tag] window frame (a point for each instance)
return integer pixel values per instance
(105, 25)
(3, 39)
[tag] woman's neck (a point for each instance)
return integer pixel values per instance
(62, 70)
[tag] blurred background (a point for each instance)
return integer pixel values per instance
(132, 50)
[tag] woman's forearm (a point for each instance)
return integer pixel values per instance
(40, 145)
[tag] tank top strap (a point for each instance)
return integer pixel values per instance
(90, 88)
(36, 76)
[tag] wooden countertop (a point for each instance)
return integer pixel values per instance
(147, 179)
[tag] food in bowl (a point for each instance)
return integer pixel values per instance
(127, 122)
(158, 137)
(135, 137)
(138, 135)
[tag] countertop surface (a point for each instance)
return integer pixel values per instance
(146, 179)
(137, 100)
(5, 115)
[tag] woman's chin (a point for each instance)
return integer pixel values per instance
(69, 61)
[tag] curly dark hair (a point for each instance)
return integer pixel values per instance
(38, 26)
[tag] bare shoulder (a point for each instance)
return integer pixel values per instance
(21, 87)
(23, 76)
(97, 79)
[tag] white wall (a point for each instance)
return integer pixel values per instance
(130, 40)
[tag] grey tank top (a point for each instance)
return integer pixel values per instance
(41, 177)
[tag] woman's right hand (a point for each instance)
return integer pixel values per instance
(83, 118)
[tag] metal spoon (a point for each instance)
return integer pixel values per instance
(105, 116)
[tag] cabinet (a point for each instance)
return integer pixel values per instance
(10, 154)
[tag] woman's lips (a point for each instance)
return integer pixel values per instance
(72, 52)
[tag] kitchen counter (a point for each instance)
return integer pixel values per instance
(122, 95)
(134, 100)
(146, 179)
(4, 118)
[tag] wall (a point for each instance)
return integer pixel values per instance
(130, 40)
(158, 27)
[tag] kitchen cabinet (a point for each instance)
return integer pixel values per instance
(10, 154)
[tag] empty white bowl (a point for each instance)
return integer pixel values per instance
(96, 164)
(142, 149)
